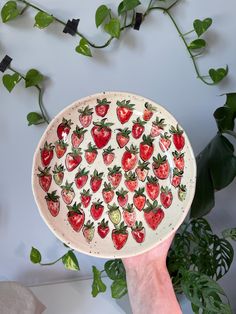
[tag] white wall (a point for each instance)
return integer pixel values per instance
(151, 62)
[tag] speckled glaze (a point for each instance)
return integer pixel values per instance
(94, 244)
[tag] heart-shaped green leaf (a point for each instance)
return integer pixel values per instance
(201, 27)
(35, 256)
(10, 81)
(9, 11)
(97, 285)
(113, 28)
(115, 269)
(34, 118)
(43, 19)
(197, 44)
(83, 48)
(33, 77)
(101, 14)
(130, 4)
(70, 261)
(218, 75)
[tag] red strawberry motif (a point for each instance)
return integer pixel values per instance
(73, 159)
(142, 170)
(182, 191)
(146, 148)
(177, 176)
(138, 232)
(166, 197)
(103, 228)
(60, 148)
(122, 137)
(58, 174)
(157, 127)
(81, 178)
(67, 193)
(46, 154)
(178, 160)
(161, 167)
(107, 193)
(45, 178)
(91, 153)
(131, 181)
(108, 155)
(165, 142)
(178, 138)
(53, 203)
(139, 199)
(101, 133)
(148, 111)
(75, 217)
(85, 197)
(77, 136)
(129, 158)
(138, 128)
(124, 110)
(102, 107)
(96, 209)
(85, 116)
(88, 231)
(153, 214)
(96, 181)
(63, 129)
(119, 236)
(129, 215)
(122, 197)
(114, 176)
(114, 214)
(152, 188)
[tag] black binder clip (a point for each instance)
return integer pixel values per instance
(4, 64)
(71, 27)
(138, 21)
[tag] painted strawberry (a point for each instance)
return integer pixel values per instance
(122, 197)
(129, 158)
(166, 196)
(60, 148)
(153, 214)
(108, 155)
(103, 228)
(88, 231)
(75, 217)
(178, 138)
(161, 167)
(129, 215)
(114, 214)
(152, 188)
(139, 199)
(96, 209)
(46, 154)
(119, 236)
(45, 178)
(81, 178)
(108, 193)
(131, 181)
(58, 174)
(114, 176)
(101, 133)
(176, 178)
(142, 170)
(91, 153)
(165, 142)
(73, 159)
(96, 181)
(138, 232)
(102, 107)
(53, 203)
(178, 160)
(67, 193)
(122, 137)
(124, 110)
(157, 127)
(148, 111)
(182, 191)
(77, 136)
(146, 148)
(85, 197)
(85, 116)
(138, 128)
(63, 129)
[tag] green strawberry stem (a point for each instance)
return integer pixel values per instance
(103, 101)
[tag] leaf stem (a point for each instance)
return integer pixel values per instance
(52, 263)
(185, 34)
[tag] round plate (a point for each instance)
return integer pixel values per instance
(113, 175)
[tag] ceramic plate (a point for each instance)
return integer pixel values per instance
(113, 175)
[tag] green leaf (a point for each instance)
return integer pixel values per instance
(83, 48)
(201, 27)
(70, 261)
(121, 8)
(35, 256)
(231, 102)
(118, 288)
(218, 75)
(43, 19)
(33, 77)
(9, 11)
(197, 44)
(130, 4)
(34, 118)
(10, 81)
(101, 14)
(97, 285)
(224, 117)
(229, 233)
(115, 269)
(201, 228)
(113, 27)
